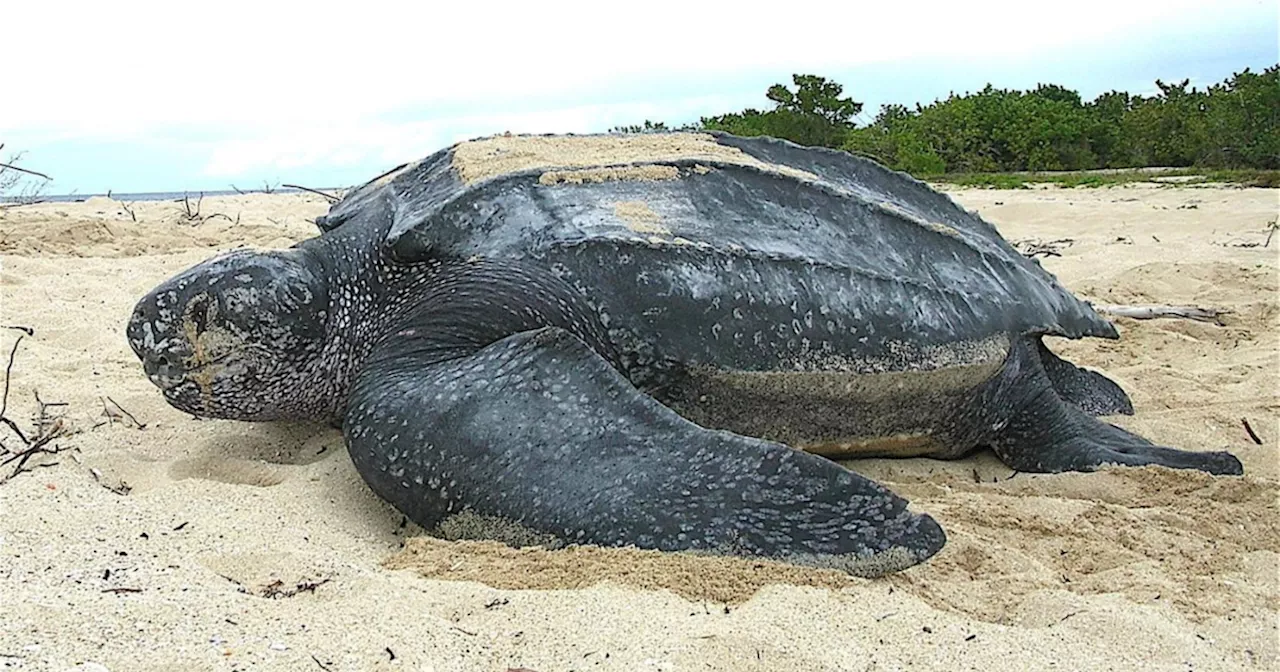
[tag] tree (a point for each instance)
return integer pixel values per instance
(814, 114)
(818, 97)
(1234, 124)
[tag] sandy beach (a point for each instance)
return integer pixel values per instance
(157, 541)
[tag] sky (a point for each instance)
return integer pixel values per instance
(136, 96)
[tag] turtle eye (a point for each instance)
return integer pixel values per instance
(298, 294)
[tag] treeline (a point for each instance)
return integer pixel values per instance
(1234, 124)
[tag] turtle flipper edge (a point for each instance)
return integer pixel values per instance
(1047, 434)
(1087, 390)
(539, 435)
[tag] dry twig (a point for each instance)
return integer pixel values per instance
(10, 166)
(49, 427)
(1249, 429)
(1031, 247)
(331, 197)
(192, 215)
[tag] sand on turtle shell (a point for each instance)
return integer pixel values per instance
(491, 157)
(209, 545)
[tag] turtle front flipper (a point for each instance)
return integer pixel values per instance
(536, 438)
(1045, 433)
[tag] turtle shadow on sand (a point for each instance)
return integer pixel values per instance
(624, 339)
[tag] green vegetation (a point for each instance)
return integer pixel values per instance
(1227, 132)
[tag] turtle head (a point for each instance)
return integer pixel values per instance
(235, 337)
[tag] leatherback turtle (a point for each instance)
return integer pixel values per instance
(650, 340)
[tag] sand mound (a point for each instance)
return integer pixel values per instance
(103, 227)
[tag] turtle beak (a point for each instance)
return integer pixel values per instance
(157, 344)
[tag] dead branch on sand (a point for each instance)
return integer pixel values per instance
(10, 166)
(1272, 226)
(1249, 429)
(1031, 247)
(331, 198)
(191, 213)
(12, 175)
(1151, 312)
(114, 412)
(49, 427)
(267, 188)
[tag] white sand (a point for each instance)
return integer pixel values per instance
(1124, 569)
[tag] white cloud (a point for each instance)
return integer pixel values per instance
(289, 84)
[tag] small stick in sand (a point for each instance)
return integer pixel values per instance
(48, 427)
(1151, 312)
(127, 414)
(331, 197)
(1252, 434)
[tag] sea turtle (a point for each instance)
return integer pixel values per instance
(655, 340)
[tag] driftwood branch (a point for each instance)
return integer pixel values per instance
(1152, 312)
(10, 166)
(49, 428)
(331, 197)
(191, 213)
(1032, 247)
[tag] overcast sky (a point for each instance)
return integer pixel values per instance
(167, 96)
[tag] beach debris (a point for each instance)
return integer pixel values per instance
(1032, 247)
(330, 197)
(1270, 229)
(191, 214)
(114, 413)
(277, 588)
(121, 487)
(49, 426)
(1249, 429)
(20, 169)
(322, 665)
(1151, 312)
(267, 188)
(13, 177)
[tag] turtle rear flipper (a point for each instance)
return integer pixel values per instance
(1046, 434)
(539, 438)
(1087, 390)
